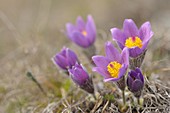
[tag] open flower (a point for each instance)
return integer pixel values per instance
(133, 38)
(65, 59)
(81, 78)
(83, 33)
(135, 82)
(112, 66)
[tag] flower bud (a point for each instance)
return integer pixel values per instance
(81, 78)
(65, 59)
(135, 82)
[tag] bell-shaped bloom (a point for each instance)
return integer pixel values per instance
(135, 82)
(80, 77)
(83, 33)
(133, 38)
(65, 59)
(114, 65)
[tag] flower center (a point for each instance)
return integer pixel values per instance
(113, 68)
(133, 42)
(84, 33)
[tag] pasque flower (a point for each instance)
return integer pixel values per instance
(135, 82)
(65, 59)
(80, 76)
(113, 66)
(83, 33)
(136, 40)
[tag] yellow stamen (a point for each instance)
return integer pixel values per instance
(84, 33)
(133, 42)
(113, 68)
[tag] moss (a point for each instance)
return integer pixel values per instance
(2, 89)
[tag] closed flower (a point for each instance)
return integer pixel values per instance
(65, 59)
(135, 82)
(80, 77)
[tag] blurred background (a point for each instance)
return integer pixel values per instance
(32, 31)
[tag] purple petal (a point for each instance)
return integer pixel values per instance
(79, 73)
(125, 56)
(144, 46)
(70, 71)
(122, 71)
(120, 45)
(111, 79)
(79, 39)
(102, 72)
(80, 23)
(70, 29)
(118, 35)
(137, 85)
(140, 74)
(101, 61)
(111, 52)
(71, 56)
(77, 77)
(134, 52)
(130, 29)
(145, 32)
(77, 65)
(60, 61)
(63, 52)
(129, 81)
(140, 77)
(133, 74)
(91, 29)
(137, 70)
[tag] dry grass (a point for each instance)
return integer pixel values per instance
(155, 99)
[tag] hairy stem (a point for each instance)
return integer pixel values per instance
(138, 99)
(123, 96)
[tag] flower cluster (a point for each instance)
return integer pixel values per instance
(67, 60)
(83, 34)
(133, 43)
(121, 67)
